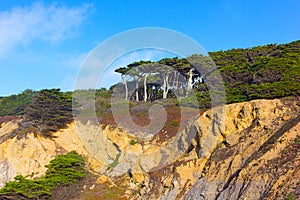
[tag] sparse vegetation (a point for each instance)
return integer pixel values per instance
(115, 162)
(133, 142)
(290, 196)
(174, 123)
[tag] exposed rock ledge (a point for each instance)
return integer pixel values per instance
(252, 154)
(255, 155)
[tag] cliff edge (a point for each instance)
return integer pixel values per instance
(251, 153)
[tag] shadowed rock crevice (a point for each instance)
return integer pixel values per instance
(263, 149)
(256, 165)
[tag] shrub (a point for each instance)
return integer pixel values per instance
(50, 111)
(132, 142)
(62, 171)
(291, 196)
(14, 105)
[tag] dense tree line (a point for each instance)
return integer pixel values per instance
(16, 104)
(269, 71)
(146, 80)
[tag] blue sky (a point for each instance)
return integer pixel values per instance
(43, 43)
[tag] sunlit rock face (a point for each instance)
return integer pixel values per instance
(251, 153)
(29, 155)
(259, 156)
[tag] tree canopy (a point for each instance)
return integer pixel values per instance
(270, 71)
(15, 104)
(49, 111)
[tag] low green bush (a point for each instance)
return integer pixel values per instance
(133, 142)
(62, 171)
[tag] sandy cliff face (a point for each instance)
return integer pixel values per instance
(29, 155)
(260, 158)
(252, 154)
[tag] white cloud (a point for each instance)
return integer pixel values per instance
(50, 23)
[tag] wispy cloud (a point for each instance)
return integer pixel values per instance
(49, 23)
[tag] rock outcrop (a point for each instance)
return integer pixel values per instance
(28, 155)
(246, 150)
(260, 158)
(252, 154)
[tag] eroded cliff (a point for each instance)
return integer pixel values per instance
(251, 153)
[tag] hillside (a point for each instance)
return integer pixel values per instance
(255, 155)
(269, 71)
(245, 149)
(263, 72)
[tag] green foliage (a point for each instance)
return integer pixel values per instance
(50, 111)
(103, 101)
(14, 105)
(189, 102)
(65, 169)
(270, 71)
(62, 171)
(174, 123)
(112, 193)
(84, 110)
(114, 163)
(133, 142)
(290, 196)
